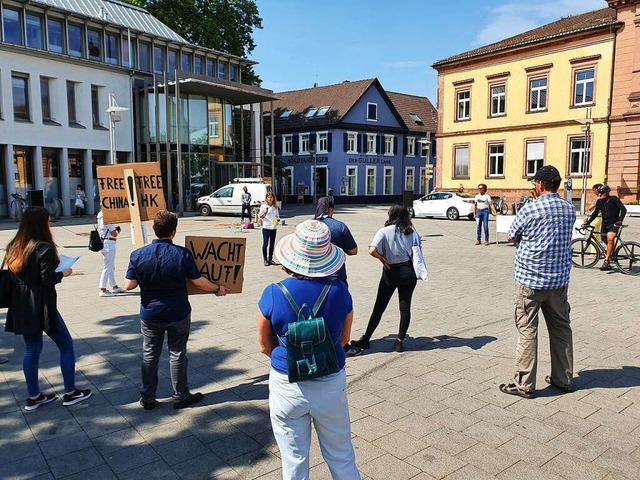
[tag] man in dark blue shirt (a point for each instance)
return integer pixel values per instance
(162, 270)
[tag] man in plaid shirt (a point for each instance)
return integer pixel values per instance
(542, 265)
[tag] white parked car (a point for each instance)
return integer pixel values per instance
(444, 204)
(228, 198)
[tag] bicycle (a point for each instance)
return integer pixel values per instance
(18, 206)
(586, 252)
(55, 209)
(501, 206)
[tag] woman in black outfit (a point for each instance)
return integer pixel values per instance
(32, 259)
(392, 246)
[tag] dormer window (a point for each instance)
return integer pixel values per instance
(312, 111)
(416, 118)
(285, 114)
(322, 111)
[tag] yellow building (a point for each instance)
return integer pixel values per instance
(506, 109)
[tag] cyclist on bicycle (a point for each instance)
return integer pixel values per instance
(613, 212)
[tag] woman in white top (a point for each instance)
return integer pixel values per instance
(392, 246)
(270, 216)
(109, 233)
(81, 197)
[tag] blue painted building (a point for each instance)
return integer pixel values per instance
(366, 144)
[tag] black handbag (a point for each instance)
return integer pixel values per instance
(6, 287)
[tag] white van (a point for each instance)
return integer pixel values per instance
(228, 199)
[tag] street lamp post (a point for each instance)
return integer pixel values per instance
(114, 118)
(313, 152)
(587, 121)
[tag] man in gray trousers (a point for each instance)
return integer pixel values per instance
(162, 269)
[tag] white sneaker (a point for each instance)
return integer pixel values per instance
(106, 293)
(119, 290)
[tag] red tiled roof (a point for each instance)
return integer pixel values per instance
(573, 24)
(339, 97)
(420, 106)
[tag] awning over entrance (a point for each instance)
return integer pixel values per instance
(236, 93)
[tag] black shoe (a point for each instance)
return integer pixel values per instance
(42, 399)
(266, 263)
(362, 343)
(351, 351)
(147, 404)
(188, 401)
(563, 389)
(75, 397)
(606, 266)
(398, 346)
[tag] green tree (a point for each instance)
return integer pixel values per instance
(223, 25)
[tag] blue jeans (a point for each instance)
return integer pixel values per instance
(33, 348)
(268, 239)
(482, 218)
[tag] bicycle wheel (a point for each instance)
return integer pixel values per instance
(584, 253)
(627, 258)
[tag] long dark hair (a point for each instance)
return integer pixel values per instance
(34, 228)
(399, 216)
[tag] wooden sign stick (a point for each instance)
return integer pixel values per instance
(134, 207)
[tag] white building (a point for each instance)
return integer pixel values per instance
(60, 60)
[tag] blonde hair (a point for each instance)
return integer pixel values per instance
(272, 195)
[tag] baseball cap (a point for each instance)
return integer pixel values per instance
(548, 173)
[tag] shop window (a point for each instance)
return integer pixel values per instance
(352, 180)
(409, 178)
(370, 188)
(387, 186)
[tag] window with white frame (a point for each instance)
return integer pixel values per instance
(352, 142)
(577, 158)
(323, 142)
(461, 162)
(535, 157)
(423, 180)
(288, 181)
(352, 180)
(387, 186)
(311, 112)
(287, 144)
(371, 143)
(304, 143)
(411, 147)
(267, 145)
(409, 177)
(463, 107)
(372, 111)
(496, 160)
(583, 86)
(498, 100)
(537, 94)
(370, 184)
(388, 144)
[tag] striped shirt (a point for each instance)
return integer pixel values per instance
(543, 229)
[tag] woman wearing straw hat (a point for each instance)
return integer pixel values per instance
(308, 256)
(392, 246)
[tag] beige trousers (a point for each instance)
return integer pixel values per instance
(555, 309)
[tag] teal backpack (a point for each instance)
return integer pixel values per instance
(310, 351)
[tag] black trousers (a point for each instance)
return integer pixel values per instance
(268, 243)
(247, 207)
(403, 278)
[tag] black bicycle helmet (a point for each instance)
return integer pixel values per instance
(604, 189)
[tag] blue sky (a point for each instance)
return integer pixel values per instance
(327, 41)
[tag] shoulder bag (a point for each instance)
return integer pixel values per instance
(6, 286)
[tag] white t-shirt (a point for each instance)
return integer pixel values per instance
(105, 229)
(483, 201)
(270, 220)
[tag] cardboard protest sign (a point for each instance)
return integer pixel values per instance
(112, 188)
(220, 259)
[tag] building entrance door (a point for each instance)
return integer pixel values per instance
(321, 181)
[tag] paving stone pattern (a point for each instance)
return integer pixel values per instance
(434, 411)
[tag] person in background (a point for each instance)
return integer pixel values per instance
(332, 200)
(310, 260)
(392, 245)
(32, 258)
(613, 212)
(161, 270)
(270, 216)
(81, 198)
(246, 204)
(110, 234)
(482, 205)
(542, 267)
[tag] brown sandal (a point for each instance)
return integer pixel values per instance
(513, 389)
